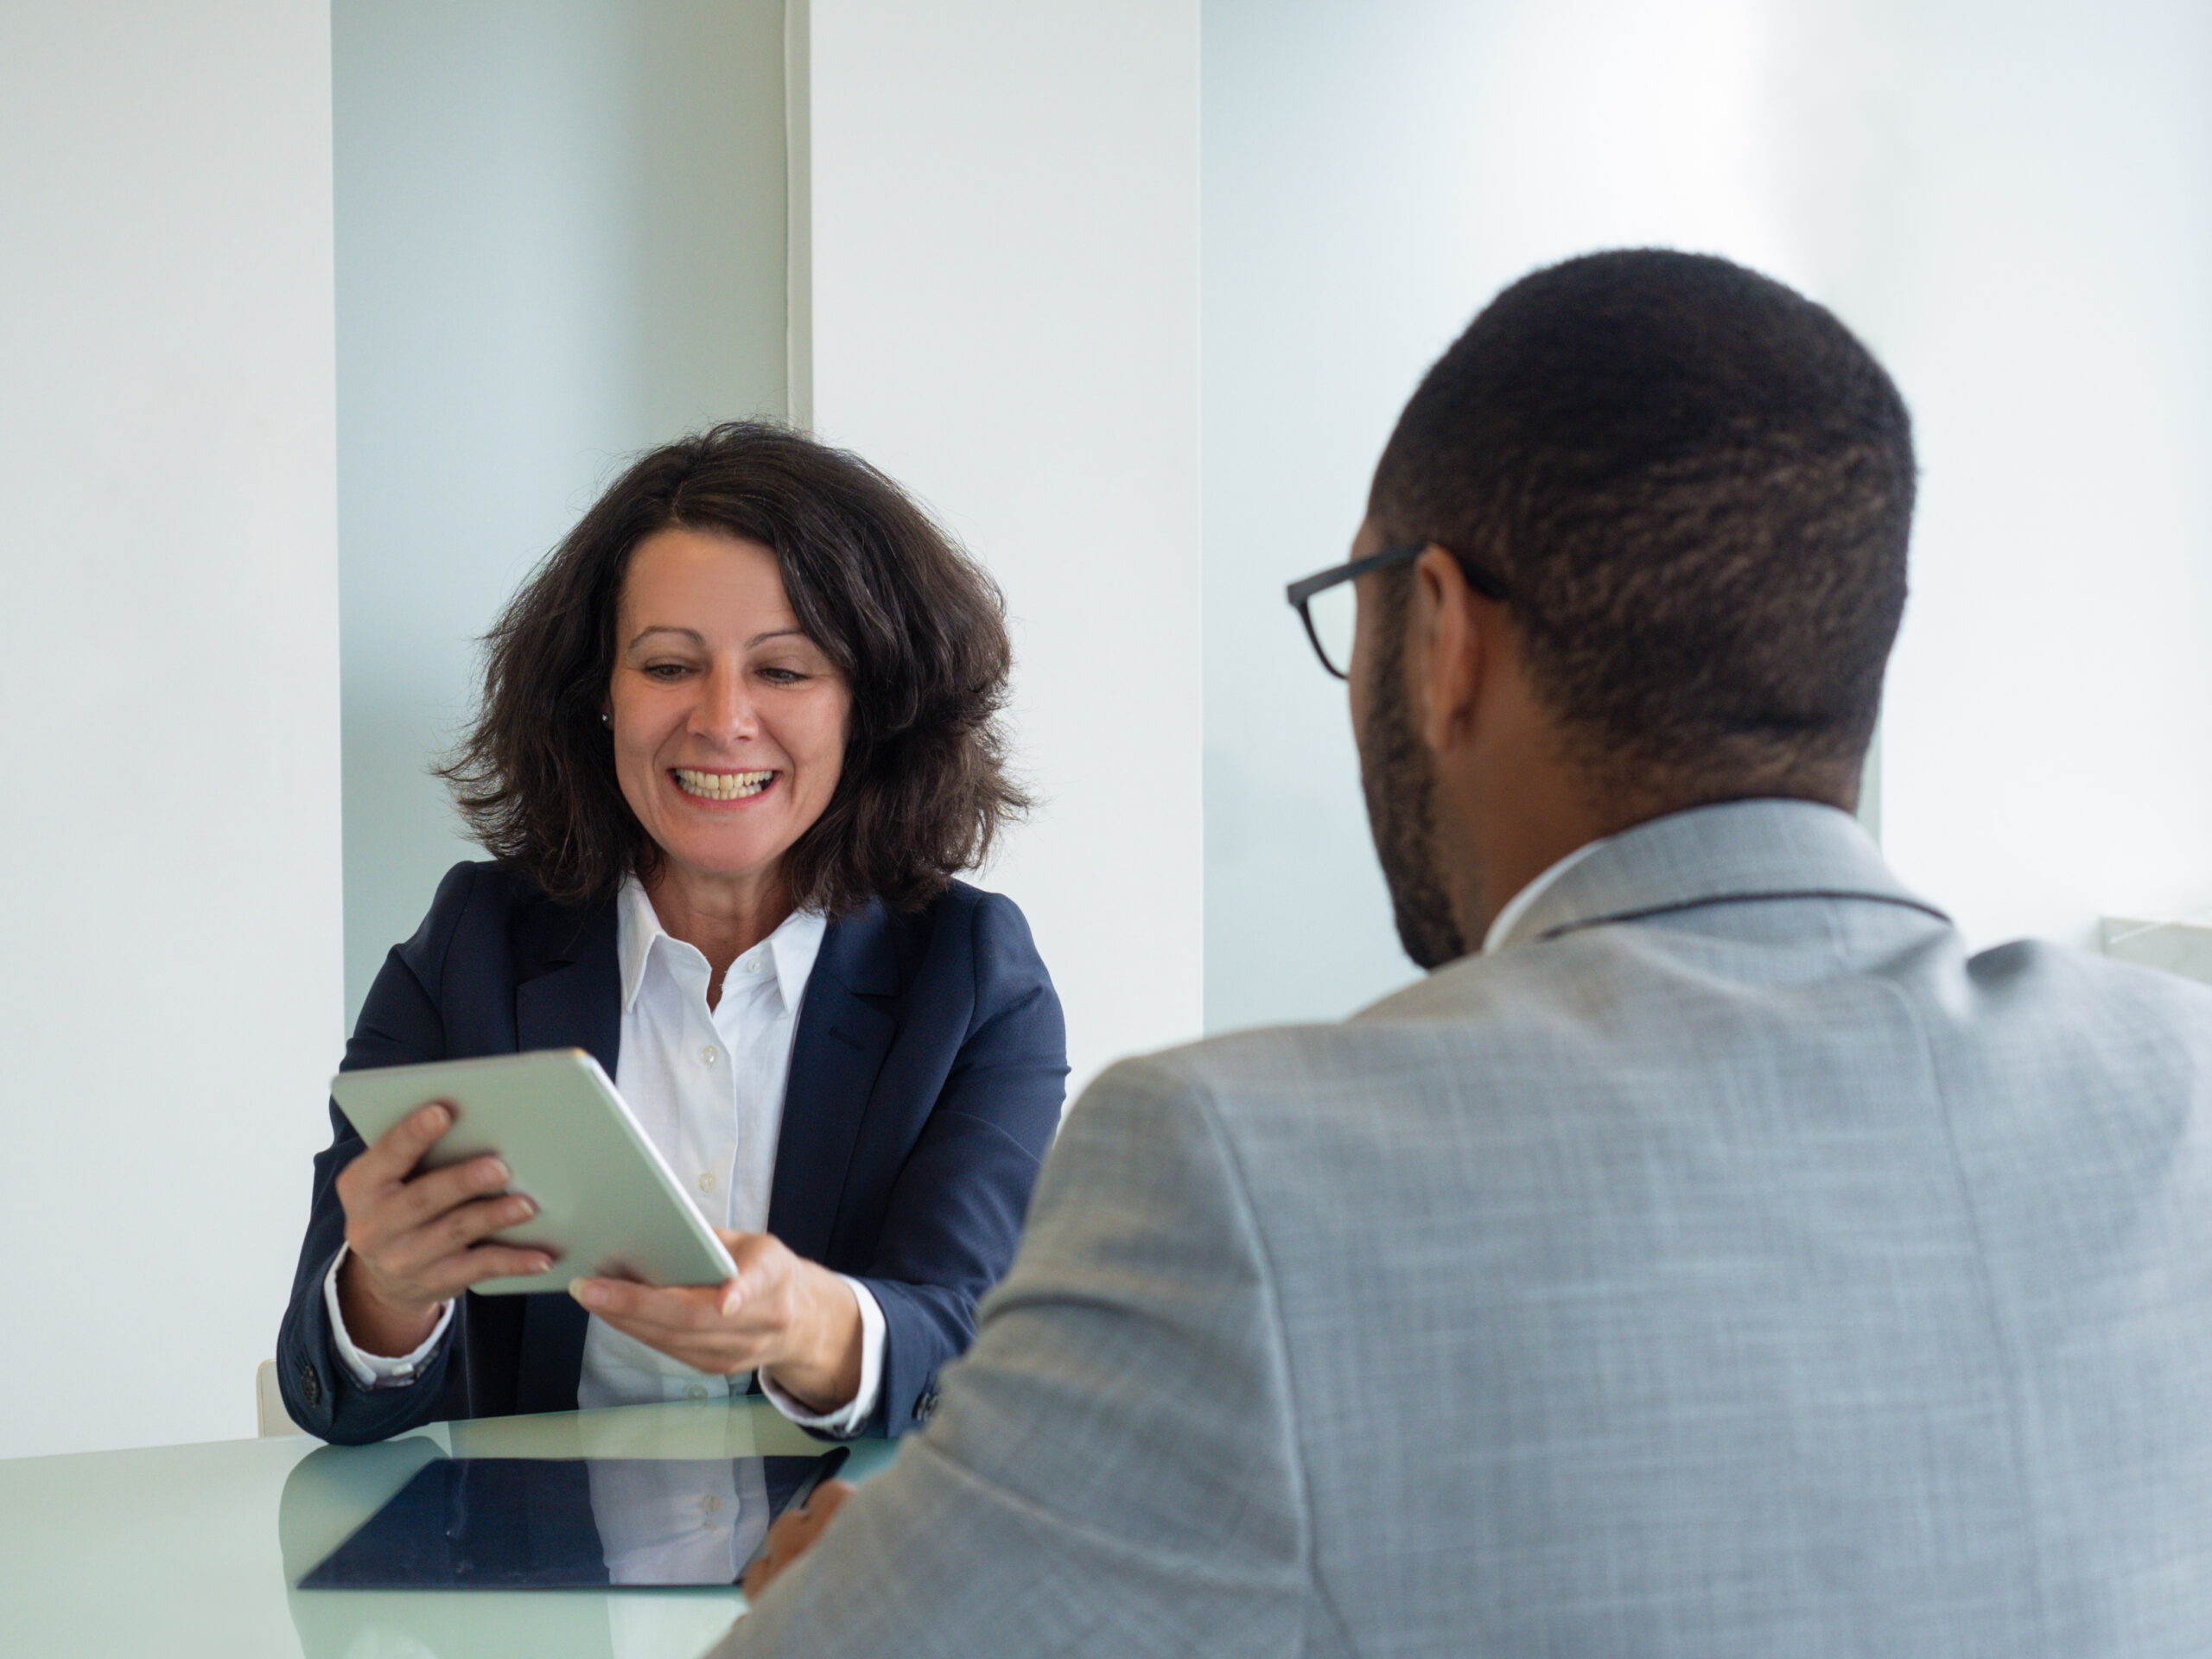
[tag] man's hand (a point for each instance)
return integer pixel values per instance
(794, 1533)
(781, 1314)
(415, 1242)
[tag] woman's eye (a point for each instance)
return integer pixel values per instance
(666, 670)
(782, 676)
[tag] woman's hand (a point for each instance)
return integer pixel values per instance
(781, 1314)
(413, 1244)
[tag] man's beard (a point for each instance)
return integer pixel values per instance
(1400, 783)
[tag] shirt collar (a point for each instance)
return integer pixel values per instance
(793, 947)
(636, 927)
(1519, 905)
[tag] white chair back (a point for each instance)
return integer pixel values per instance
(269, 1413)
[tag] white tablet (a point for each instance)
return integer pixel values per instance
(608, 1206)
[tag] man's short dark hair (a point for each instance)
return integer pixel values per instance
(916, 628)
(1697, 487)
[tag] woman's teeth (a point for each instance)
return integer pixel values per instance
(721, 785)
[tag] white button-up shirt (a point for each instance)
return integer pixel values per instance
(707, 1086)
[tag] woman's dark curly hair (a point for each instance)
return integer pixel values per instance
(915, 626)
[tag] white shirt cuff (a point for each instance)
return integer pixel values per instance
(847, 1418)
(375, 1370)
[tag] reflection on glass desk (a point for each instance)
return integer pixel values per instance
(571, 1524)
(192, 1550)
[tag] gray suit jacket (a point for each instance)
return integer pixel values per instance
(1729, 1265)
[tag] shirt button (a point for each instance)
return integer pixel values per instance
(696, 1391)
(706, 1181)
(710, 1504)
(753, 964)
(709, 1054)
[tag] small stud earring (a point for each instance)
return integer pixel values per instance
(606, 719)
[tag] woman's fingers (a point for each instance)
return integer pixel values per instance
(674, 1309)
(413, 1274)
(685, 1323)
(781, 1315)
(407, 1230)
(393, 1155)
(447, 1243)
(760, 1293)
(420, 1236)
(434, 1214)
(435, 1194)
(464, 1225)
(746, 1303)
(418, 1240)
(379, 1179)
(447, 1279)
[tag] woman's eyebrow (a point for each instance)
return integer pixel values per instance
(692, 635)
(700, 640)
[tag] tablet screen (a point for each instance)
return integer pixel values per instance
(571, 1524)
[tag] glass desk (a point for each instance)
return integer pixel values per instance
(191, 1550)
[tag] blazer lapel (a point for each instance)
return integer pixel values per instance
(569, 989)
(844, 1035)
(573, 999)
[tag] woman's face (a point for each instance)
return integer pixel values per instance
(728, 721)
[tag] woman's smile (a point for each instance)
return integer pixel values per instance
(721, 785)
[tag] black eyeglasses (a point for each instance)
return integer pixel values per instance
(1324, 601)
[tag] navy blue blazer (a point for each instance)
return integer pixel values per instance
(927, 1072)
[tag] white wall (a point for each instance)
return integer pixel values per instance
(2048, 745)
(2011, 207)
(169, 833)
(559, 241)
(1005, 295)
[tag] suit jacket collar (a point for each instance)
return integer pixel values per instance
(845, 1030)
(568, 980)
(1739, 849)
(859, 952)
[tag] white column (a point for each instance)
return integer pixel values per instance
(169, 887)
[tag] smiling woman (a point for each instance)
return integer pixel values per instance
(729, 726)
(738, 734)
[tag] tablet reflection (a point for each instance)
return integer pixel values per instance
(616, 1523)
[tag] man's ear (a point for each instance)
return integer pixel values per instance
(1444, 650)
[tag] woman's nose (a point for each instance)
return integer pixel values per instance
(725, 706)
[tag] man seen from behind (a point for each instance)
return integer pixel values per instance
(1709, 1255)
